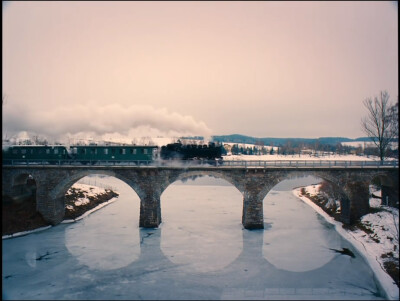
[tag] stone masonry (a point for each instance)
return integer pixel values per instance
(52, 182)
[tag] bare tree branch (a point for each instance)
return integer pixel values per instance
(379, 124)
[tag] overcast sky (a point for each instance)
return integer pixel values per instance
(264, 69)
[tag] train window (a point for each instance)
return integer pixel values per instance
(123, 151)
(133, 151)
(95, 151)
(31, 151)
(113, 151)
(47, 151)
(144, 151)
(56, 151)
(15, 151)
(92, 151)
(106, 151)
(23, 151)
(120, 151)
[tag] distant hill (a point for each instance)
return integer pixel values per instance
(236, 138)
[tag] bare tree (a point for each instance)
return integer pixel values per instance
(394, 115)
(379, 124)
(395, 218)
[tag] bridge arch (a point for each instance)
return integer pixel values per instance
(187, 174)
(352, 190)
(23, 183)
(389, 186)
(21, 178)
(62, 187)
(58, 192)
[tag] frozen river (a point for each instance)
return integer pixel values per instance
(200, 251)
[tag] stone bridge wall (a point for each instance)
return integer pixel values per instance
(52, 183)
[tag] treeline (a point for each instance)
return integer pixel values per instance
(236, 138)
(316, 149)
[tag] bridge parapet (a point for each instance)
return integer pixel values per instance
(295, 162)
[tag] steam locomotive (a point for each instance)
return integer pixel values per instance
(191, 151)
(92, 154)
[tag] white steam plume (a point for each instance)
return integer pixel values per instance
(102, 121)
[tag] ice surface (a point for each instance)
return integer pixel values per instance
(200, 251)
(217, 215)
(281, 241)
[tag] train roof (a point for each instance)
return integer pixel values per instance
(78, 146)
(20, 145)
(116, 146)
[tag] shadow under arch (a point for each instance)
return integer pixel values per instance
(200, 231)
(389, 187)
(21, 178)
(23, 185)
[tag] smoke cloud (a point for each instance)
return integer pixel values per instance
(99, 122)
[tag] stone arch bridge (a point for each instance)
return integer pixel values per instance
(149, 182)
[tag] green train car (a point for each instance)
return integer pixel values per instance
(77, 154)
(89, 153)
(35, 152)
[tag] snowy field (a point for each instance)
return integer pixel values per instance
(299, 158)
(365, 144)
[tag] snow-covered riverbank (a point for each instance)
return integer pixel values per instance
(374, 246)
(77, 196)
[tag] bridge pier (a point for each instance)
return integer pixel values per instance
(357, 203)
(390, 196)
(51, 208)
(390, 190)
(150, 212)
(252, 216)
(150, 205)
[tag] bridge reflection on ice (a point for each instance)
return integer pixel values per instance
(107, 239)
(283, 246)
(201, 228)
